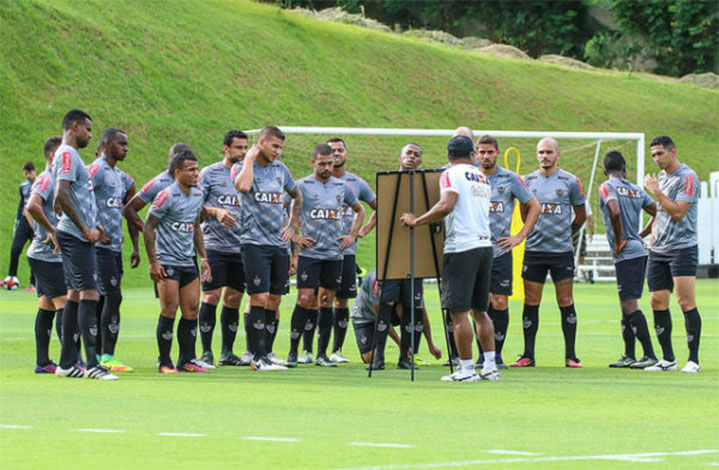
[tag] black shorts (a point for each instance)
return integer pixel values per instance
(364, 333)
(49, 278)
(664, 267)
(109, 271)
(78, 262)
(399, 291)
(501, 282)
(266, 268)
(227, 271)
(537, 263)
(465, 279)
(630, 277)
(313, 272)
(348, 288)
(183, 275)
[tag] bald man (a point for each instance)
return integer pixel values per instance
(549, 249)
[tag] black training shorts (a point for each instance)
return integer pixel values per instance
(465, 279)
(227, 271)
(78, 262)
(537, 263)
(266, 268)
(501, 282)
(109, 271)
(663, 267)
(49, 278)
(313, 272)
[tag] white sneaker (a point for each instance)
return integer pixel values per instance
(338, 357)
(462, 375)
(204, 365)
(276, 360)
(246, 358)
(492, 375)
(263, 365)
(71, 372)
(692, 368)
(99, 373)
(663, 365)
(306, 358)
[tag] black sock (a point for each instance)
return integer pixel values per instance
(638, 324)
(501, 324)
(246, 320)
(405, 335)
(270, 329)
(70, 335)
(297, 327)
(663, 329)
(164, 333)
(384, 319)
(693, 325)
(325, 330)
(186, 338)
(569, 329)
(58, 324)
(43, 332)
(341, 322)
(87, 320)
(207, 319)
(110, 322)
(629, 338)
(490, 314)
(98, 313)
(258, 341)
(230, 320)
(417, 331)
(450, 332)
(308, 337)
(530, 325)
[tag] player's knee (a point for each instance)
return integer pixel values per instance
(340, 303)
(305, 300)
(366, 357)
(273, 302)
(499, 302)
(232, 298)
(169, 310)
(211, 297)
(260, 300)
(659, 300)
(686, 303)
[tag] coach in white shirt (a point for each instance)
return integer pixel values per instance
(464, 205)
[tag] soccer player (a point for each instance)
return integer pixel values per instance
(176, 213)
(348, 289)
(621, 204)
(76, 233)
(22, 231)
(549, 248)
(319, 265)
(113, 188)
(45, 260)
(673, 252)
(467, 262)
(261, 180)
(507, 187)
(221, 230)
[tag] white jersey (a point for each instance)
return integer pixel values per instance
(467, 226)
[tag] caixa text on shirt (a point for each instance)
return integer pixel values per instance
(325, 214)
(229, 199)
(551, 209)
(268, 198)
(114, 203)
(186, 227)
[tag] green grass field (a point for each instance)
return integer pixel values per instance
(310, 418)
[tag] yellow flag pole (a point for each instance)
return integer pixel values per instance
(517, 224)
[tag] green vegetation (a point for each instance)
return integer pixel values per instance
(188, 71)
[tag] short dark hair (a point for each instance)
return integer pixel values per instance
(488, 139)
(233, 134)
(28, 166)
(178, 148)
(321, 149)
(51, 144)
(459, 147)
(179, 159)
(337, 139)
(108, 135)
(412, 143)
(614, 161)
(271, 131)
(73, 116)
(664, 141)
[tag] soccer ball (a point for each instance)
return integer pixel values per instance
(11, 283)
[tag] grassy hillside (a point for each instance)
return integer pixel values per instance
(188, 71)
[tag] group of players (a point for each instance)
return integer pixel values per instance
(253, 226)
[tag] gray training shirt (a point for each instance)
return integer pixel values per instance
(111, 186)
(506, 187)
(557, 194)
(218, 190)
(362, 190)
(322, 218)
(149, 191)
(680, 185)
(367, 297)
(44, 187)
(178, 213)
(68, 166)
(631, 200)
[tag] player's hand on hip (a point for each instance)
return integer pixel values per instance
(134, 259)
(91, 234)
(157, 272)
(205, 273)
(407, 219)
(618, 249)
(507, 243)
(346, 240)
(104, 238)
(225, 217)
(303, 242)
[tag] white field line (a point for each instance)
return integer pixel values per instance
(14, 426)
(381, 444)
(510, 452)
(180, 434)
(101, 431)
(645, 457)
(272, 439)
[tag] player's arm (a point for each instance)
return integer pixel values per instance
(348, 240)
(244, 180)
(650, 209)
(676, 209)
(580, 216)
(64, 203)
(199, 242)
(157, 272)
(615, 218)
(433, 349)
(130, 212)
(34, 211)
(224, 216)
(444, 206)
(371, 222)
(590, 223)
(132, 229)
(291, 230)
(530, 211)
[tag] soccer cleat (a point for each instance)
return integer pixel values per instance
(338, 357)
(204, 365)
(30, 288)
(99, 373)
(263, 364)
(455, 362)
(168, 370)
(623, 362)
(406, 364)
(644, 362)
(276, 360)
(247, 358)
(193, 365)
(323, 361)
(113, 364)
(462, 375)
(50, 368)
(292, 360)
(573, 363)
(207, 360)
(72, 372)
(663, 365)
(523, 362)
(376, 365)
(692, 368)
(229, 359)
(492, 375)
(306, 358)
(418, 361)
(499, 362)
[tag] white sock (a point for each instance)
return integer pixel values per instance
(467, 365)
(489, 363)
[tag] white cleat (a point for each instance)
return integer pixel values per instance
(263, 365)
(306, 358)
(692, 368)
(492, 375)
(247, 358)
(71, 372)
(203, 364)
(663, 366)
(99, 373)
(338, 358)
(276, 360)
(462, 375)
